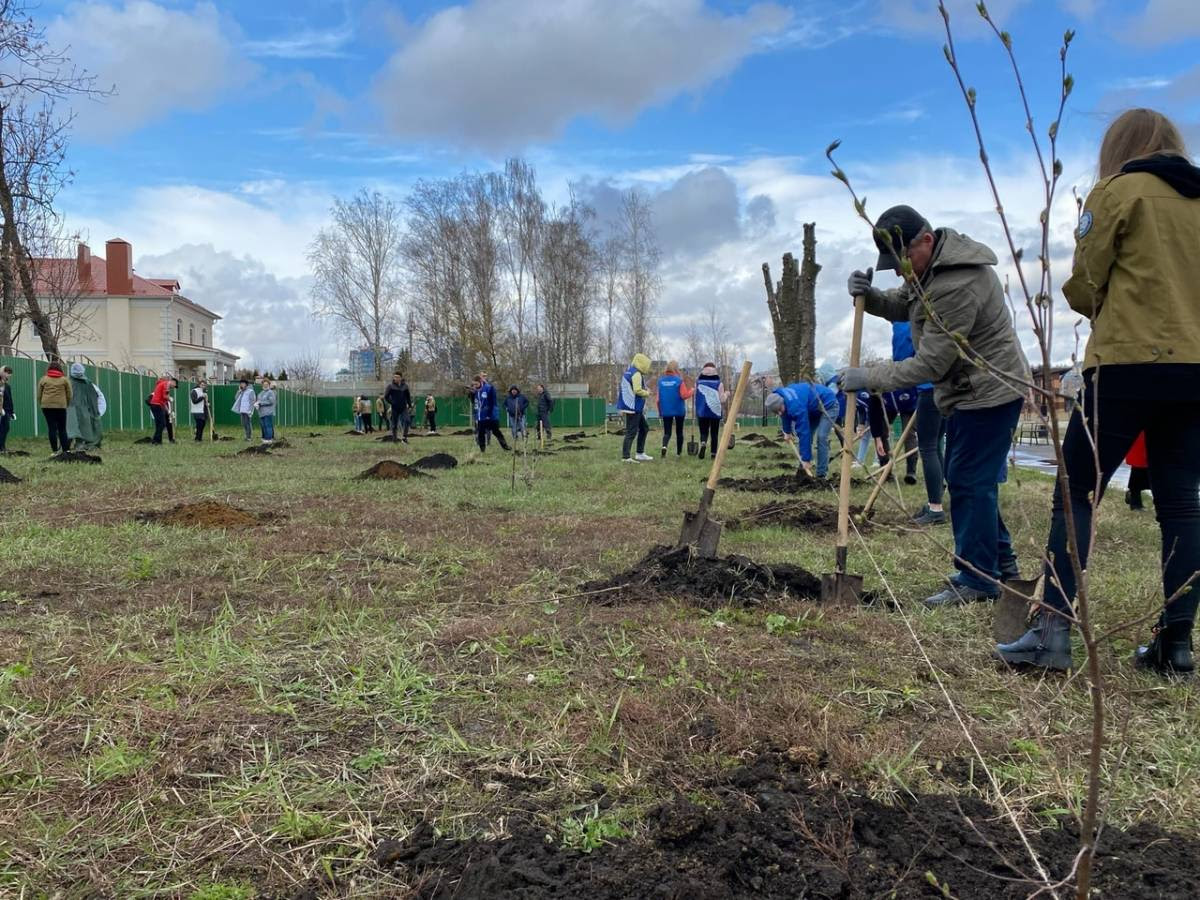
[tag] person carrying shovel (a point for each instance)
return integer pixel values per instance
(806, 410)
(953, 294)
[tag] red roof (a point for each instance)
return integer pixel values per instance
(59, 276)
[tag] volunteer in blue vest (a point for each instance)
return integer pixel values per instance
(487, 414)
(710, 405)
(631, 401)
(806, 410)
(673, 395)
(931, 433)
(882, 412)
(968, 349)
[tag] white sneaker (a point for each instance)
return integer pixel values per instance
(629, 459)
(642, 457)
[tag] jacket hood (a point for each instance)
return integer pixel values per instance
(709, 371)
(956, 249)
(514, 391)
(54, 372)
(641, 362)
(77, 371)
(1174, 170)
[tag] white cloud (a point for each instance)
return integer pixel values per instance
(307, 43)
(1164, 22)
(922, 16)
(502, 73)
(159, 60)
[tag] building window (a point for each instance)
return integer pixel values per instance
(203, 337)
(191, 334)
(179, 329)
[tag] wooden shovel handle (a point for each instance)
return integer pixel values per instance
(843, 538)
(727, 431)
(886, 472)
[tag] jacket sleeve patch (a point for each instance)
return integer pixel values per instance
(1085, 224)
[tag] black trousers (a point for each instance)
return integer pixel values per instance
(635, 427)
(431, 420)
(710, 431)
(200, 421)
(1139, 480)
(675, 422)
(400, 422)
(1119, 404)
(544, 418)
(931, 435)
(56, 425)
(881, 427)
(485, 428)
(160, 422)
(4, 421)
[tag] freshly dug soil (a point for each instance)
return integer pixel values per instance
(436, 461)
(573, 447)
(390, 470)
(754, 436)
(144, 440)
(312, 434)
(461, 432)
(15, 453)
(256, 450)
(780, 484)
(577, 436)
(802, 514)
(280, 444)
(763, 443)
(7, 477)
(777, 831)
(77, 456)
(352, 431)
(205, 514)
(707, 583)
(388, 439)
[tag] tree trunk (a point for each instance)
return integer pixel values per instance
(792, 304)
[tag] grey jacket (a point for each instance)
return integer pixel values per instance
(965, 293)
(266, 402)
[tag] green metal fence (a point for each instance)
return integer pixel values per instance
(125, 394)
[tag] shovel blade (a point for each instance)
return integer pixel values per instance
(841, 589)
(1010, 617)
(693, 524)
(710, 537)
(693, 448)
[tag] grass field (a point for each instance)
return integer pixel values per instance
(226, 713)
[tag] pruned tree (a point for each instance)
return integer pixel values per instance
(34, 77)
(356, 270)
(793, 304)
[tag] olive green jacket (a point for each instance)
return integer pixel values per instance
(963, 290)
(53, 393)
(1137, 272)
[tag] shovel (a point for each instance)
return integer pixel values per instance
(692, 447)
(840, 587)
(699, 530)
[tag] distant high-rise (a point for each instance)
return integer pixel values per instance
(362, 362)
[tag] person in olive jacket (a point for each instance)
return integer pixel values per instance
(1136, 275)
(53, 398)
(981, 392)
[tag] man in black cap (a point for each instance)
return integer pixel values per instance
(951, 292)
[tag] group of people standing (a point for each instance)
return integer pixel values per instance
(708, 398)
(394, 408)
(70, 404)
(485, 412)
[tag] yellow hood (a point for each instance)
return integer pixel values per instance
(641, 362)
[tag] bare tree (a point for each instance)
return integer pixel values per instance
(33, 78)
(640, 281)
(523, 214)
(792, 304)
(304, 370)
(694, 342)
(356, 270)
(567, 267)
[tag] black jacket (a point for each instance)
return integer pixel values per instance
(545, 404)
(398, 396)
(8, 404)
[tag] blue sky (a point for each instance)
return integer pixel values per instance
(235, 123)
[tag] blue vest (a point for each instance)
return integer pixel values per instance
(708, 398)
(670, 402)
(628, 401)
(485, 404)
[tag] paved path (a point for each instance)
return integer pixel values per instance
(1040, 457)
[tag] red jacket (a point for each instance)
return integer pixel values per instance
(1136, 456)
(162, 391)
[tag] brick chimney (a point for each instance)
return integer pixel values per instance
(83, 267)
(119, 267)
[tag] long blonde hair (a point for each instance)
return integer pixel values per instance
(1136, 133)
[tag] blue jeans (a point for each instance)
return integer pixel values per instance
(821, 426)
(931, 431)
(977, 442)
(267, 423)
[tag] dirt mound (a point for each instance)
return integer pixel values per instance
(780, 484)
(577, 436)
(7, 477)
(205, 514)
(17, 453)
(280, 444)
(707, 583)
(436, 461)
(461, 432)
(762, 443)
(388, 439)
(802, 514)
(256, 450)
(352, 431)
(777, 830)
(76, 456)
(753, 436)
(313, 434)
(144, 440)
(390, 470)
(572, 447)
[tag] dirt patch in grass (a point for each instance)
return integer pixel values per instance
(17, 453)
(206, 514)
(462, 431)
(802, 514)
(762, 443)
(7, 477)
(388, 439)
(577, 436)
(776, 831)
(709, 583)
(572, 447)
(780, 484)
(390, 470)
(313, 434)
(280, 444)
(436, 461)
(256, 450)
(77, 456)
(144, 440)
